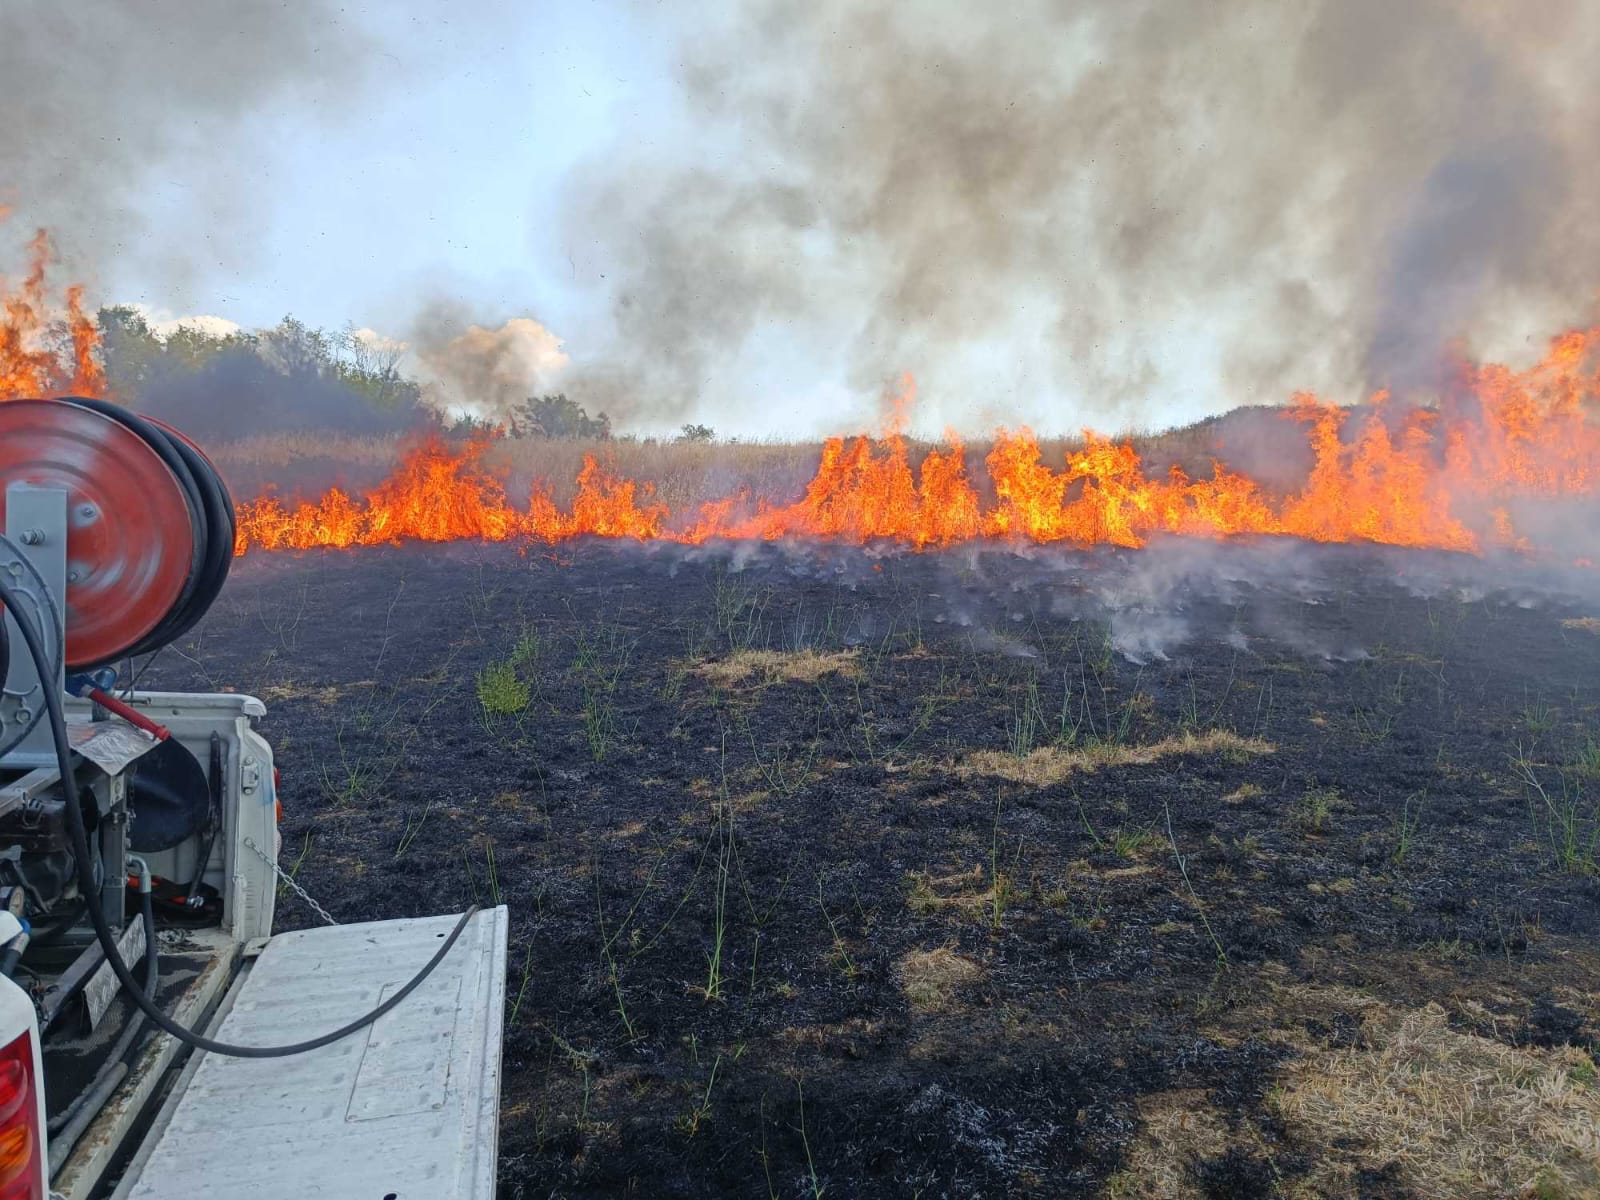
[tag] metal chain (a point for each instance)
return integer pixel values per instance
(289, 881)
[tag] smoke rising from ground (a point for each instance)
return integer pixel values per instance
(104, 98)
(1171, 599)
(488, 372)
(1120, 203)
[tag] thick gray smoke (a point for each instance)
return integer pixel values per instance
(1086, 199)
(103, 99)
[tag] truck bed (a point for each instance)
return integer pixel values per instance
(402, 1110)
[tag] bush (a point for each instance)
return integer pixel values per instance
(558, 417)
(501, 690)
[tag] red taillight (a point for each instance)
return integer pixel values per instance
(20, 1144)
(13, 1088)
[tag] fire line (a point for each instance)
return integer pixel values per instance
(1449, 477)
(1442, 478)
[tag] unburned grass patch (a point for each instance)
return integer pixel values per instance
(1583, 624)
(1379, 1091)
(1048, 765)
(931, 979)
(961, 891)
(327, 696)
(778, 666)
(1179, 1130)
(1461, 1115)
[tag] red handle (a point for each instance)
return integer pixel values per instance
(129, 714)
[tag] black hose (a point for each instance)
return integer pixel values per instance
(102, 929)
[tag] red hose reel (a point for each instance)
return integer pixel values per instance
(150, 523)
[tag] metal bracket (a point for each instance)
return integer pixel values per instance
(33, 556)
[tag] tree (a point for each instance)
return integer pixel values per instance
(294, 348)
(289, 377)
(371, 366)
(559, 418)
(697, 433)
(131, 352)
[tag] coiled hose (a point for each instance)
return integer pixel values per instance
(102, 929)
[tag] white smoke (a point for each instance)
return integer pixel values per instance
(488, 372)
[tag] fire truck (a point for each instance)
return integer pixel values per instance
(157, 1039)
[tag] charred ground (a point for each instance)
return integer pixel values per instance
(970, 874)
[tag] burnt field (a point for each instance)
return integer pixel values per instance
(1194, 871)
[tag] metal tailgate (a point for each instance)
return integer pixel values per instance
(403, 1110)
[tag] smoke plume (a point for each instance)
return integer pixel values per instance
(105, 99)
(1046, 198)
(486, 372)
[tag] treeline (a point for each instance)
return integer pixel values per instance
(293, 378)
(285, 379)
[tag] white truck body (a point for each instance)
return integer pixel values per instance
(405, 1107)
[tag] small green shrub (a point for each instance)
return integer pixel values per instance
(501, 690)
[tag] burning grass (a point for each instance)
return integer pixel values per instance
(46, 350)
(1461, 476)
(1045, 766)
(1583, 624)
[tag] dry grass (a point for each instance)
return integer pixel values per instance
(1463, 1116)
(325, 696)
(685, 475)
(1455, 1116)
(931, 978)
(287, 449)
(962, 891)
(1051, 764)
(1587, 624)
(778, 666)
(1177, 1129)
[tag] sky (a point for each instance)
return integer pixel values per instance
(762, 214)
(442, 176)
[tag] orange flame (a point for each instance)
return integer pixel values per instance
(1440, 478)
(1450, 477)
(42, 354)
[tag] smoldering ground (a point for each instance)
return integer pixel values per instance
(1173, 597)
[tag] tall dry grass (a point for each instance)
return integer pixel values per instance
(686, 474)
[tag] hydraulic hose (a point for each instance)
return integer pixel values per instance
(102, 928)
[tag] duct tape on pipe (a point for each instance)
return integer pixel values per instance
(109, 745)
